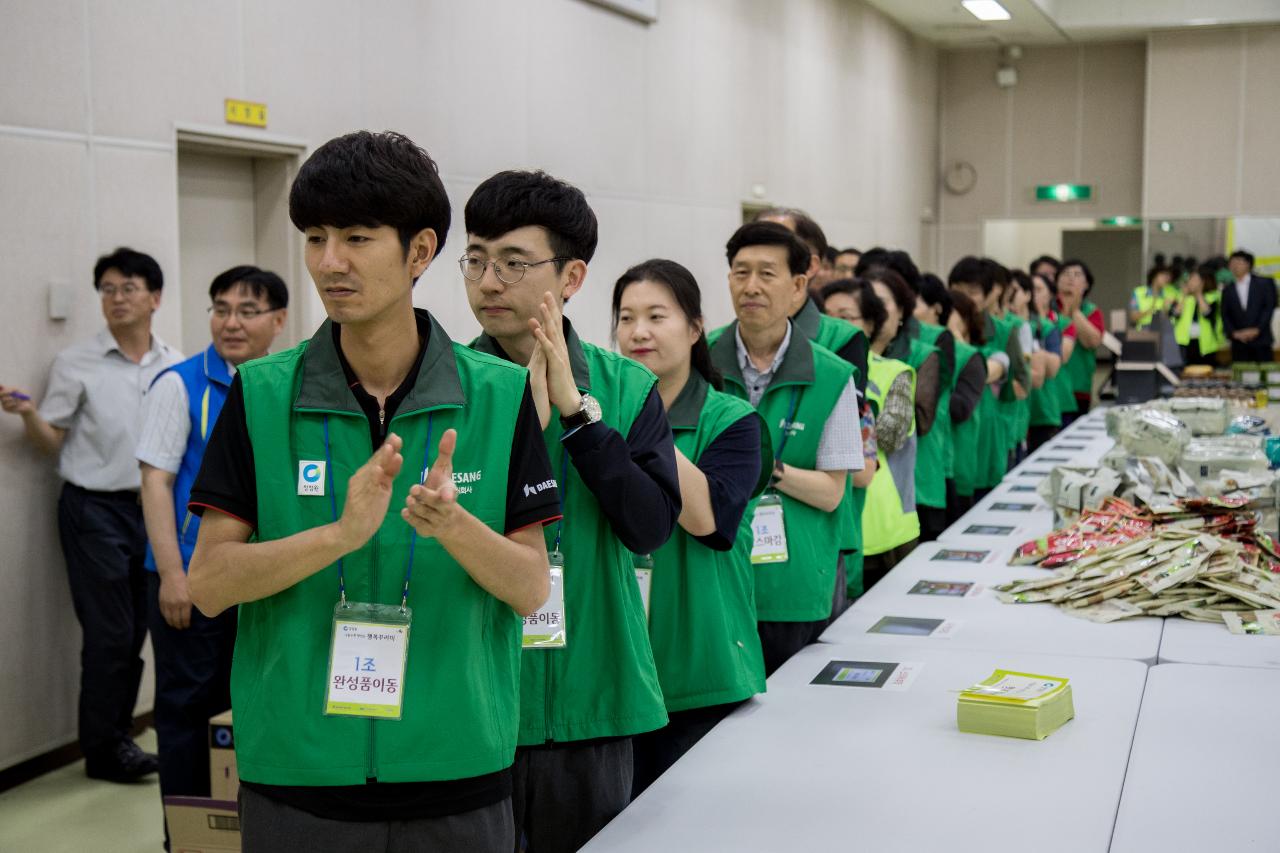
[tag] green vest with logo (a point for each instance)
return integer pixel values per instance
(809, 381)
(1044, 406)
(603, 683)
(993, 441)
(460, 712)
(1063, 381)
(1083, 363)
(1210, 336)
(702, 607)
(965, 434)
(930, 333)
(889, 518)
(931, 450)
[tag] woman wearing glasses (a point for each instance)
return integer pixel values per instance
(702, 614)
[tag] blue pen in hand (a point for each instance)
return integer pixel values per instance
(18, 395)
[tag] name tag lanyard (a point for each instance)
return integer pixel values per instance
(768, 523)
(787, 424)
(545, 628)
(369, 649)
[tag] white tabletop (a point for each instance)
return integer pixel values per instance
(1035, 520)
(823, 768)
(982, 621)
(1201, 773)
(1200, 642)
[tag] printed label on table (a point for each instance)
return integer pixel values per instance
(988, 530)
(1011, 507)
(957, 555)
(1053, 459)
(887, 675)
(1037, 473)
(912, 626)
(1069, 447)
(1022, 488)
(950, 589)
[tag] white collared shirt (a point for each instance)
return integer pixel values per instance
(1242, 290)
(166, 422)
(95, 393)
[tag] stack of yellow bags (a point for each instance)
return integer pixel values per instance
(1015, 704)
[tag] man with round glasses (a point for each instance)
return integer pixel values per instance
(192, 651)
(89, 420)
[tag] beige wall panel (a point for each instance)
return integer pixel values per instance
(1260, 166)
(42, 64)
(1193, 120)
(974, 127)
(1112, 126)
(1045, 135)
(155, 62)
(954, 242)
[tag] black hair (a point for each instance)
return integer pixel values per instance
(1084, 268)
(971, 270)
(849, 250)
(371, 179)
(1159, 260)
(1241, 253)
(903, 296)
(1156, 270)
(894, 259)
(516, 199)
(1046, 259)
(263, 284)
(971, 316)
(1019, 279)
(1208, 273)
(769, 234)
(684, 289)
(999, 273)
(831, 255)
(874, 314)
(935, 293)
(809, 232)
(130, 263)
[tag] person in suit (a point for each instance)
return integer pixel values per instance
(1247, 305)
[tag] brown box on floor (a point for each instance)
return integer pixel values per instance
(202, 825)
(224, 783)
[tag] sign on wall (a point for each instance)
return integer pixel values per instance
(246, 112)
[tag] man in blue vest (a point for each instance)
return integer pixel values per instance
(192, 652)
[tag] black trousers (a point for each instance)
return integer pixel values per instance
(656, 751)
(1038, 436)
(1191, 354)
(565, 793)
(268, 826)
(1250, 351)
(103, 541)
(780, 640)
(193, 683)
(876, 566)
(933, 522)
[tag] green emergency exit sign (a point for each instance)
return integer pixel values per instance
(1064, 192)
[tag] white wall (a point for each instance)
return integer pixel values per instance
(826, 103)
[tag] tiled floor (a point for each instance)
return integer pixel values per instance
(66, 812)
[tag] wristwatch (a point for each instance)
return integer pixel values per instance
(588, 414)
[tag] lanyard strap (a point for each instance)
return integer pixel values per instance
(786, 425)
(413, 533)
(561, 492)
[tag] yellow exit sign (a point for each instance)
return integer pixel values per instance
(246, 112)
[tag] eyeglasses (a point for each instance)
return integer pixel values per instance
(108, 291)
(244, 312)
(508, 271)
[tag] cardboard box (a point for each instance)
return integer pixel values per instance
(202, 825)
(224, 783)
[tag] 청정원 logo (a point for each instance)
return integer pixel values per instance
(311, 477)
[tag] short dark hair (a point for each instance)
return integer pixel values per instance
(870, 307)
(935, 293)
(1247, 257)
(1046, 259)
(371, 179)
(903, 295)
(263, 284)
(1208, 273)
(971, 270)
(849, 250)
(1019, 279)
(1155, 271)
(769, 234)
(516, 199)
(1084, 268)
(894, 259)
(677, 279)
(831, 255)
(130, 263)
(971, 316)
(807, 229)
(999, 273)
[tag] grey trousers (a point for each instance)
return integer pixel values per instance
(565, 793)
(267, 826)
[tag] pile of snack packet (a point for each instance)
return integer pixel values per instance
(1201, 558)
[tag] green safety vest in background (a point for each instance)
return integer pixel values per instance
(603, 683)
(702, 608)
(1211, 338)
(810, 379)
(1044, 406)
(1150, 303)
(967, 435)
(1083, 362)
(461, 710)
(889, 518)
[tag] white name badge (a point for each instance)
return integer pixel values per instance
(367, 661)
(769, 529)
(545, 628)
(644, 577)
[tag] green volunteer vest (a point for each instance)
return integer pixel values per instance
(603, 683)
(966, 433)
(930, 333)
(1211, 338)
(931, 449)
(810, 379)
(1043, 404)
(1063, 381)
(1013, 412)
(460, 712)
(1147, 304)
(702, 608)
(1083, 363)
(993, 441)
(889, 519)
